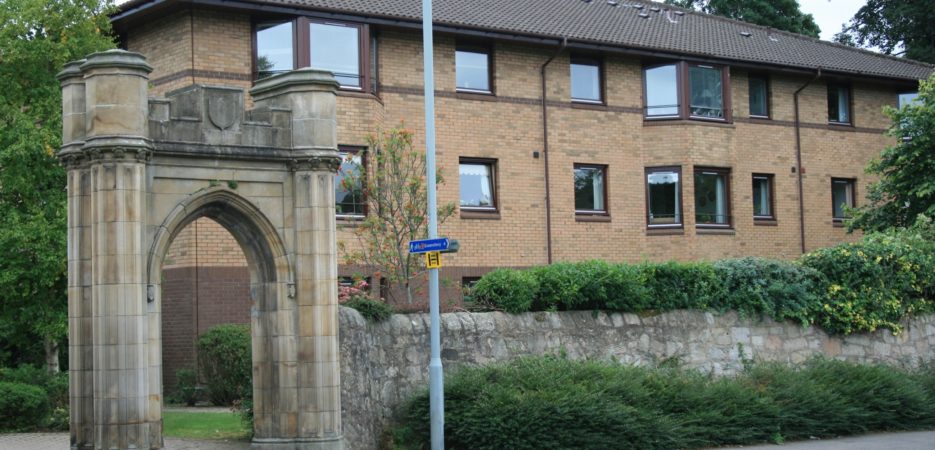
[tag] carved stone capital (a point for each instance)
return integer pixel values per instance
(316, 163)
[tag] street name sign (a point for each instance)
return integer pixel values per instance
(428, 245)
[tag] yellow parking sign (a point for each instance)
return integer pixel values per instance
(433, 260)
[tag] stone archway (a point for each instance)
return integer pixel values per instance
(141, 169)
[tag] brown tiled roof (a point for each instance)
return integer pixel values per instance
(663, 29)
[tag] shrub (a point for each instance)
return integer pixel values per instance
(675, 285)
(372, 310)
(224, 357)
(55, 387)
(512, 291)
(779, 289)
(23, 407)
(186, 387)
(552, 403)
(874, 283)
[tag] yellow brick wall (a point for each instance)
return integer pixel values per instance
(509, 129)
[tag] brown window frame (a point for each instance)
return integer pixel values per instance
(254, 69)
(852, 183)
(656, 169)
(362, 151)
(494, 188)
(771, 180)
(850, 103)
(683, 85)
(726, 173)
(589, 60)
(476, 47)
(769, 92)
(604, 171)
(301, 46)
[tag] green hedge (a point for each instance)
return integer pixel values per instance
(224, 357)
(54, 388)
(862, 286)
(554, 403)
(23, 407)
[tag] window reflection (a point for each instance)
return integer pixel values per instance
(336, 48)
(274, 48)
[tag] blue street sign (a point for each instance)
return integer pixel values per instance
(428, 245)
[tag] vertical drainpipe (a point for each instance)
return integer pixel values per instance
(545, 152)
(798, 158)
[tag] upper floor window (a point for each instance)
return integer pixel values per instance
(908, 98)
(842, 197)
(344, 49)
(839, 103)
(274, 48)
(759, 96)
(477, 182)
(763, 197)
(472, 69)
(664, 197)
(712, 197)
(688, 91)
(586, 80)
(590, 189)
(348, 185)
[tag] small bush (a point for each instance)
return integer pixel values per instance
(512, 291)
(186, 387)
(23, 407)
(224, 358)
(372, 310)
(55, 387)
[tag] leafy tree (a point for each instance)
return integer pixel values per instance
(779, 14)
(906, 188)
(395, 192)
(37, 38)
(901, 27)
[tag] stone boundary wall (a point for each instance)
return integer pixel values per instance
(383, 363)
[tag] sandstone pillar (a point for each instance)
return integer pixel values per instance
(305, 406)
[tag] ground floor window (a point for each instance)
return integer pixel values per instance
(763, 197)
(842, 197)
(348, 185)
(712, 197)
(664, 196)
(590, 189)
(478, 184)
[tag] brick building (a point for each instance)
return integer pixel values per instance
(567, 129)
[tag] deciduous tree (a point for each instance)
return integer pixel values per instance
(37, 38)
(779, 14)
(900, 27)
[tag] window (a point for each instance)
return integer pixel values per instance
(662, 92)
(839, 103)
(336, 48)
(763, 197)
(472, 69)
(842, 195)
(664, 197)
(348, 185)
(759, 96)
(908, 98)
(590, 189)
(477, 185)
(706, 92)
(586, 80)
(273, 48)
(712, 197)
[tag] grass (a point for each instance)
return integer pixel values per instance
(204, 425)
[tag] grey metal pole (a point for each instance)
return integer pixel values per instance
(436, 382)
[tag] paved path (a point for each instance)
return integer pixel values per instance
(59, 441)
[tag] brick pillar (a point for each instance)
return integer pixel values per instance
(108, 327)
(305, 406)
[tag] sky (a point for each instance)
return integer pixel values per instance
(831, 14)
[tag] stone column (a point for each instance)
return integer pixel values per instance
(306, 405)
(110, 330)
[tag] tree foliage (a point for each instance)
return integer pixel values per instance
(779, 14)
(906, 188)
(37, 38)
(895, 27)
(396, 195)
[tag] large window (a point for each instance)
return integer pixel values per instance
(842, 197)
(336, 48)
(686, 91)
(586, 80)
(274, 48)
(348, 185)
(763, 208)
(664, 197)
(344, 49)
(478, 184)
(759, 96)
(472, 69)
(839, 103)
(662, 91)
(590, 189)
(712, 197)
